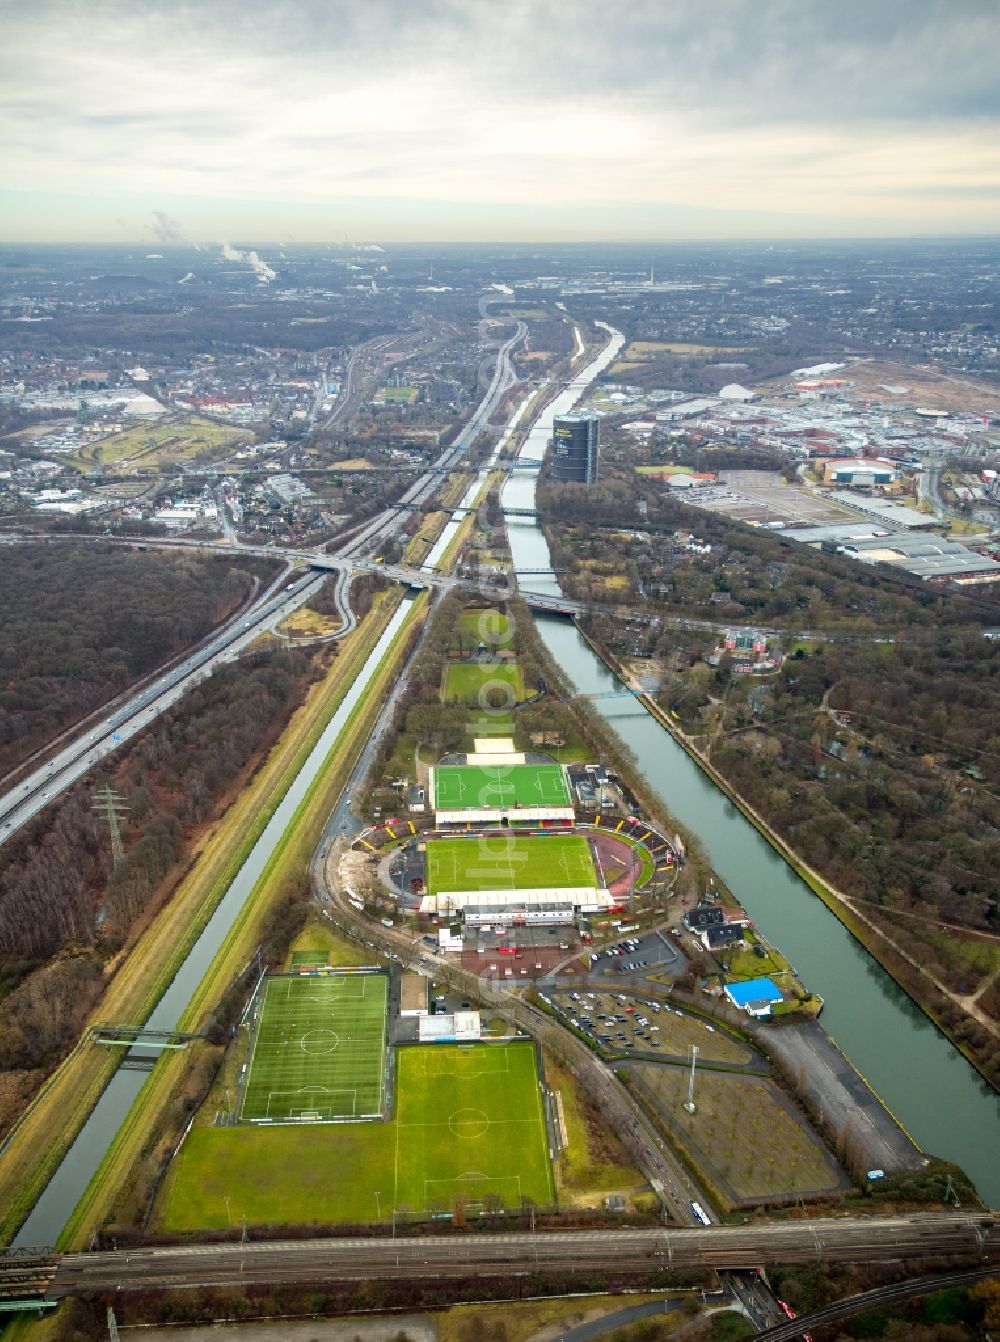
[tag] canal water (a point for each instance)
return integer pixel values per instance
(64, 1190)
(939, 1098)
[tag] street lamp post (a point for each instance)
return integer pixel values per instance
(689, 1103)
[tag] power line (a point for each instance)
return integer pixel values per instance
(112, 806)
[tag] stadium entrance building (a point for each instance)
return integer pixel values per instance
(496, 786)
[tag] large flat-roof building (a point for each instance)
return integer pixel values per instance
(554, 906)
(926, 557)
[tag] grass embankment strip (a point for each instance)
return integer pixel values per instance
(49, 1128)
(460, 539)
(318, 938)
(289, 858)
(594, 1163)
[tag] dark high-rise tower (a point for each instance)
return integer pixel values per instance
(576, 442)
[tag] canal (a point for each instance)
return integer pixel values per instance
(64, 1190)
(944, 1104)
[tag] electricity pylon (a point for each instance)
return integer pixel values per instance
(111, 804)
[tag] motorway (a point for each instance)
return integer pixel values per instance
(843, 1240)
(34, 792)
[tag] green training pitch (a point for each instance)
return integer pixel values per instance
(484, 686)
(510, 862)
(469, 787)
(470, 1126)
(318, 1051)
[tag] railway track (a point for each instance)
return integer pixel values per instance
(908, 1238)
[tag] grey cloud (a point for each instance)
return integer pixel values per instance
(783, 59)
(753, 60)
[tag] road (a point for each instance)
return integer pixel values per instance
(667, 1177)
(33, 793)
(607, 1323)
(841, 1239)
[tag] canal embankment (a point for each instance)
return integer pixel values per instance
(910, 1064)
(63, 1165)
(896, 962)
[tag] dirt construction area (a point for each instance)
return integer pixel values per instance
(903, 384)
(832, 1084)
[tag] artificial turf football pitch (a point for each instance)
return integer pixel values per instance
(465, 787)
(318, 1050)
(499, 861)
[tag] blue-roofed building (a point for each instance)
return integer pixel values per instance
(756, 996)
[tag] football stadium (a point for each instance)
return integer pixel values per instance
(518, 860)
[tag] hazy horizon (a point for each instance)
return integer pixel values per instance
(456, 121)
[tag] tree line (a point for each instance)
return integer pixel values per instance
(82, 622)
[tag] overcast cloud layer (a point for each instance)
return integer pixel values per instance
(451, 119)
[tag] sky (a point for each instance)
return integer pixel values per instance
(507, 120)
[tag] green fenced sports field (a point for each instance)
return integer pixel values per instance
(318, 1050)
(508, 862)
(463, 787)
(470, 1126)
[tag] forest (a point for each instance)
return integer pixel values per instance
(66, 910)
(83, 622)
(874, 750)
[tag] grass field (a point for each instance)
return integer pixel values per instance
(505, 862)
(594, 1163)
(280, 1176)
(318, 1049)
(459, 787)
(307, 623)
(486, 686)
(485, 626)
(470, 1125)
(317, 940)
(742, 962)
(743, 1136)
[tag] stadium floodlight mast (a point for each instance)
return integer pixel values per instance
(689, 1102)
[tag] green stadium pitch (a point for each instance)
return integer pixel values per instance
(318, 1052)
(470, 1128)
(494, 787)
(500, 861)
